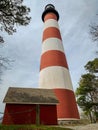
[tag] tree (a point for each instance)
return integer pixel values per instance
(1, 40)
(92, 66)
(87, 92)
(4, 62)
(94, 33)
(12, 13)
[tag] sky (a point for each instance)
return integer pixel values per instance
(24, 46)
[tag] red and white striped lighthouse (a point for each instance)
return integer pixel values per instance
(54, 72)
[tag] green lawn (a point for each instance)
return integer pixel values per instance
(30, 127)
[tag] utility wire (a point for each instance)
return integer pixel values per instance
(18, 112)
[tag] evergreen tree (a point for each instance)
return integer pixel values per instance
(87, 92)
(12, 13)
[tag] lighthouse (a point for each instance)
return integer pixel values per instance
(54, 71)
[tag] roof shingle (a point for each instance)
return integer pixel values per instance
(30, 96)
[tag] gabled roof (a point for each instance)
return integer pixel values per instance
(30, 96)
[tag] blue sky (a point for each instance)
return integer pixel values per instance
(24, 47)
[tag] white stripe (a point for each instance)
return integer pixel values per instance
(52, 44)
(68, 119)
(55, 77)
(51, 23)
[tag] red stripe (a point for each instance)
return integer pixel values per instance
(67, 107)
(50, 16)
(53, 58)
(51, 32)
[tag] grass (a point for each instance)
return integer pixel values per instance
(31, 127)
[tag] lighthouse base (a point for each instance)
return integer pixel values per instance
(67, 107)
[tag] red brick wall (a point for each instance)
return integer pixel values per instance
(26, 114)
(67, 107)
